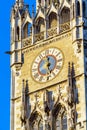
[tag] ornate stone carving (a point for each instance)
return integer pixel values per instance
(52, 31)
(27, 41)
(39, 36)
(64, 27)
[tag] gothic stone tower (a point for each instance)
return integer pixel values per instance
(49, 65)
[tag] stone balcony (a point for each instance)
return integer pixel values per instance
(50, 33)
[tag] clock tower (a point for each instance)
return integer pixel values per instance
(49, 65)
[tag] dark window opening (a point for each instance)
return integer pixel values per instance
(22, 58)
(17, 33)
(78, 8)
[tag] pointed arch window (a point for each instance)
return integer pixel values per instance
(52, 20)
(36, 121)
(27, 30)
(84, 9)
(60, 117)
(78, 8)
(18, 32)
(61, 122)
(40, 25)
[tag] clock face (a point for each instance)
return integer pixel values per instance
(47, 65)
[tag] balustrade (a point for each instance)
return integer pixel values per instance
(50, 32)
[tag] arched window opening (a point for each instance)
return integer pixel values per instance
(40, 27)
(84, 9)
(18, 32)
(64, 19)
(65, 15)
(78, 8)
(61, 122)
(52, 20)
(36, 121)
(60, 117)
(27, 30)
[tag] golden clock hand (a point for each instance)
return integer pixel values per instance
(48, 68)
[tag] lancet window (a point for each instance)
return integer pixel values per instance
(61, 122)
(52, 20)
(78, 8)
(60, 117)
(18, 32)
(40, 26)
(36, 121)
(27, 30)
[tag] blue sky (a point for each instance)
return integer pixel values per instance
(5, 9)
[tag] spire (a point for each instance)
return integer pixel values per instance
(20, 3)
(69, 75)
(23, 107)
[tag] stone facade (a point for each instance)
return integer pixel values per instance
(51, 96)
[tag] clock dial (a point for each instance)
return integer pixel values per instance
(47, 65)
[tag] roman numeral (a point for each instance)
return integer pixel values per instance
(40, 56)
(58, 67)
(59, 60)
(53, 51)
(53, 74)
(33, 70)
(57, 54)
(36, 75)
(41, 78)
(36, 62)
(46, 52)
